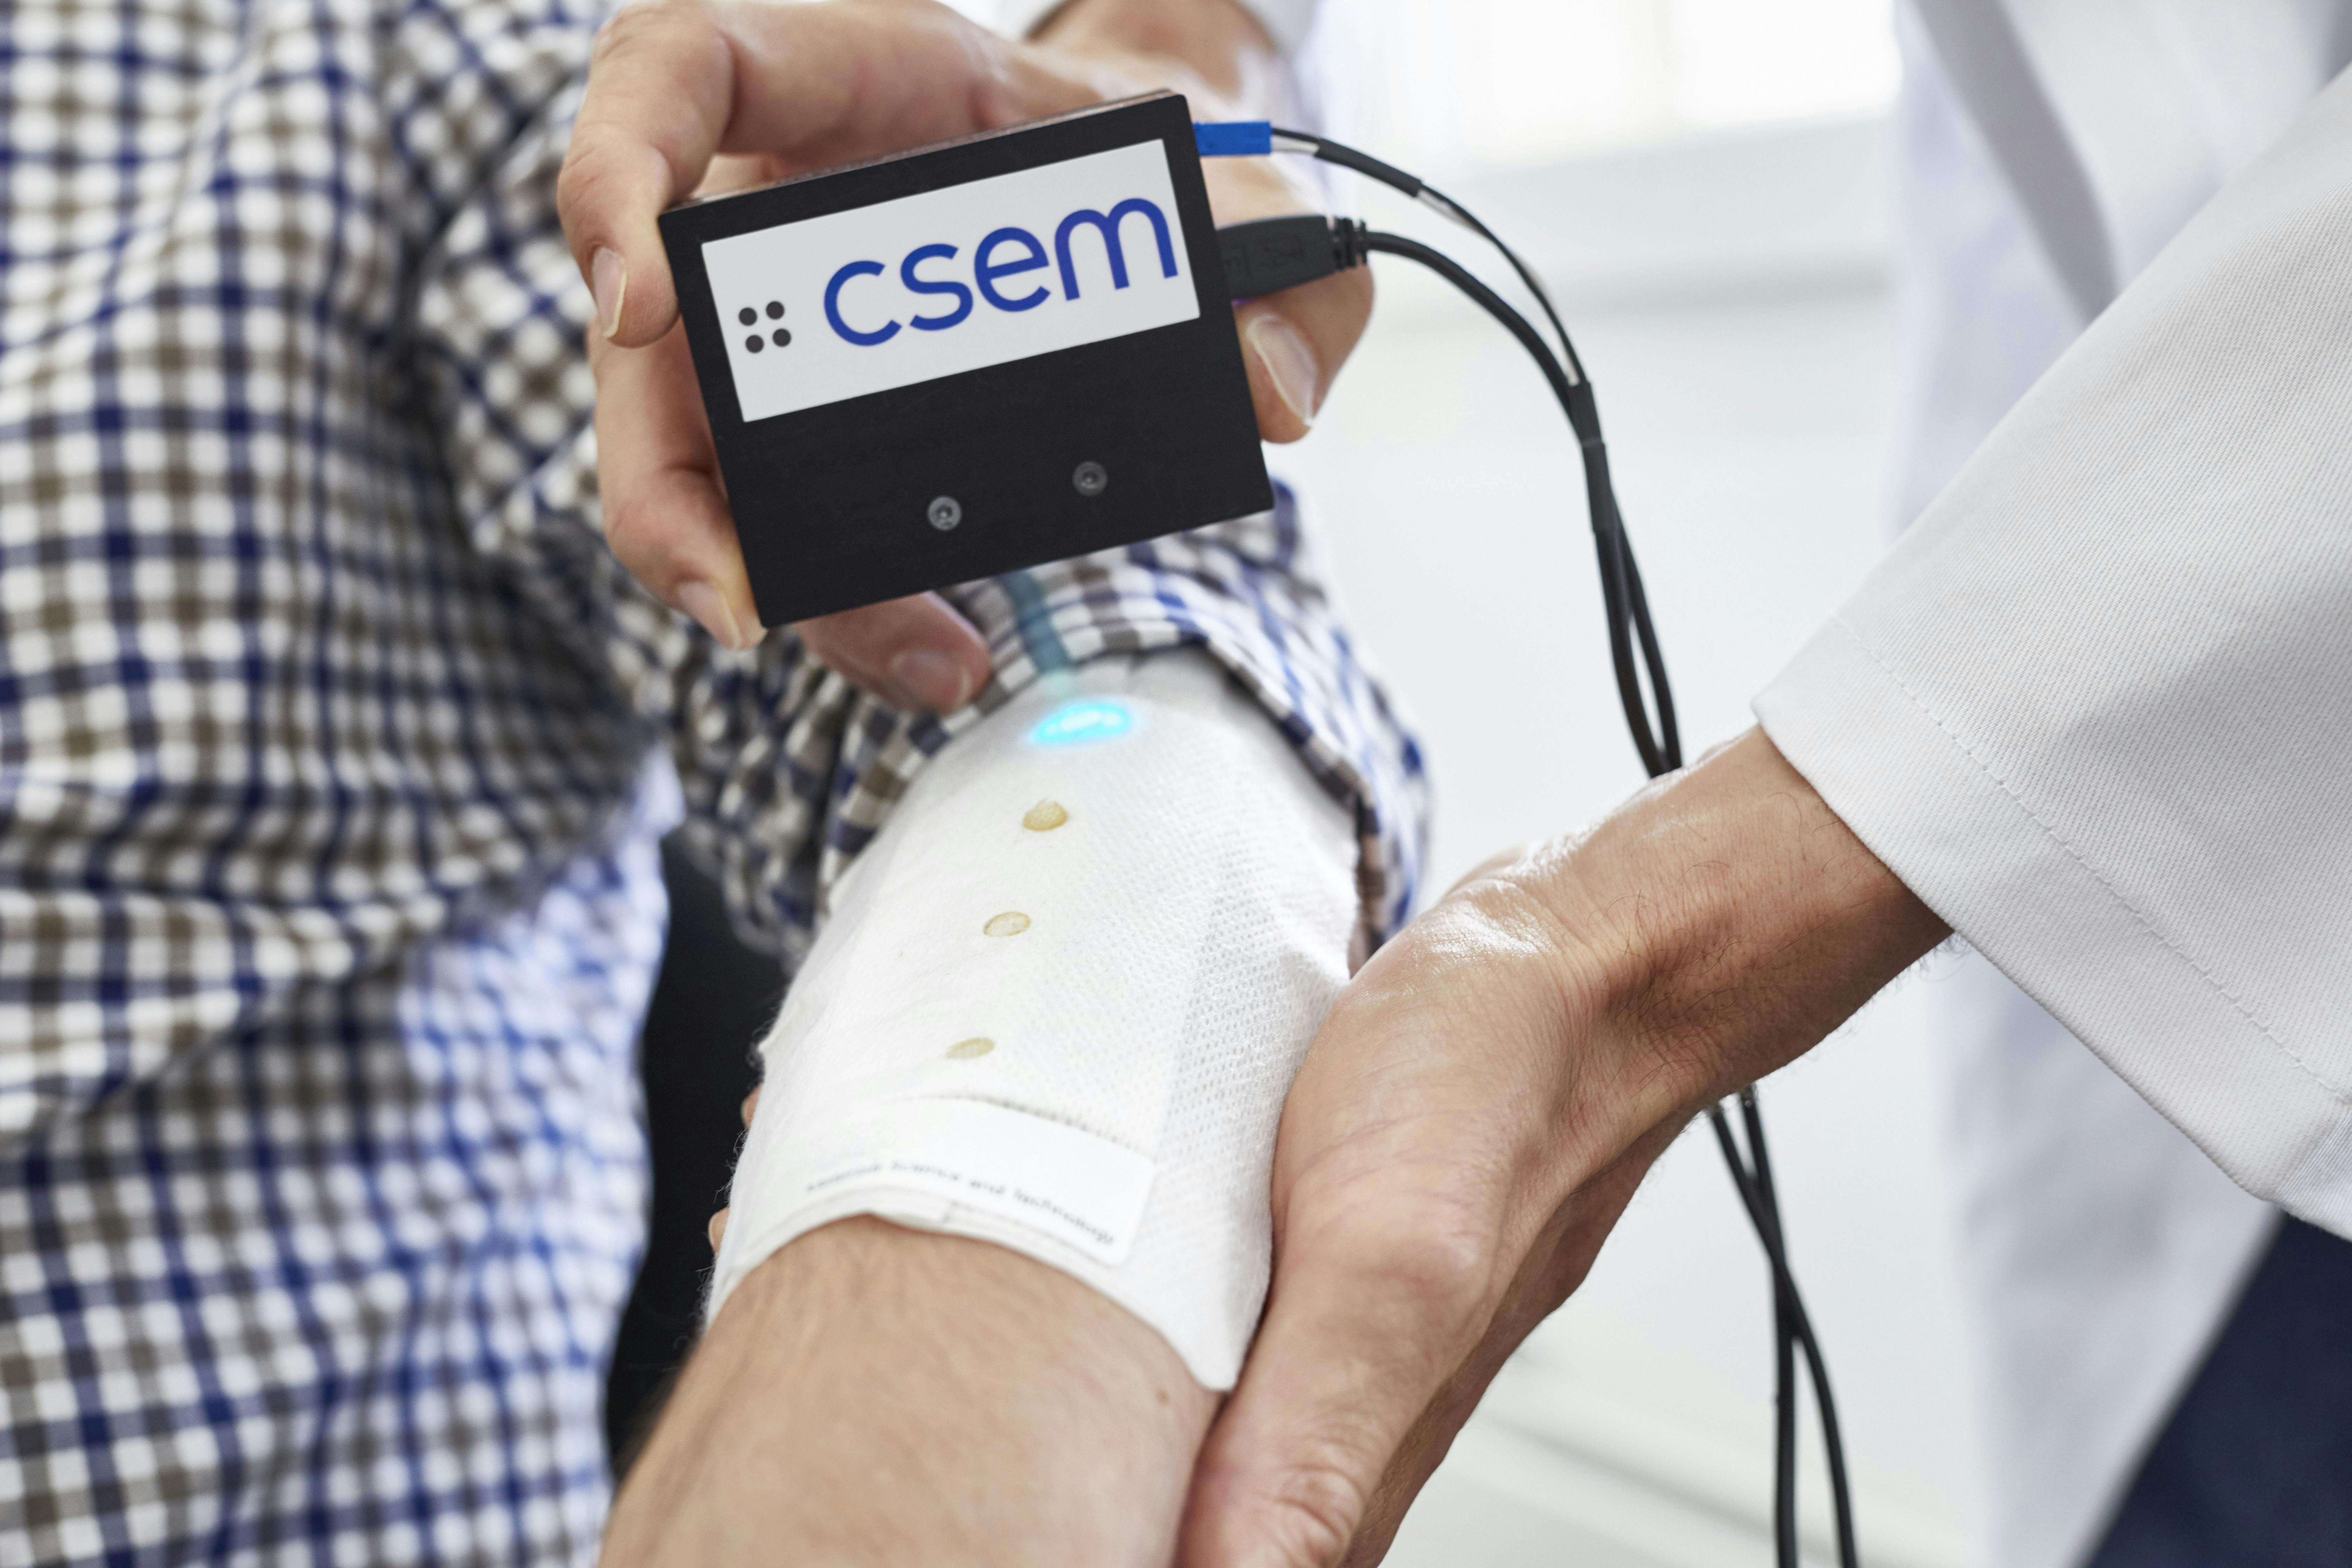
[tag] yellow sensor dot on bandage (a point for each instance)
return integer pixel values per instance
(1044, 817)
(1012, 923)
(964, 1050)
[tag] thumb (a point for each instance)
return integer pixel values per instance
(1293, 345)
(1389, 1320)
(1372, 1313)
(1294, 342)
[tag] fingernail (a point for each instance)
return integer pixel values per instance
(1289, 364)
(708, 607)
(608, 279)
(931, 678)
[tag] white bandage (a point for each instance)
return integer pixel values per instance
(1061, 997)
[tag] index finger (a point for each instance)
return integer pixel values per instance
(676, 82)
(661, 92)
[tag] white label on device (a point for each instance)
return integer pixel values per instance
(1056, 1179)
(979, 274)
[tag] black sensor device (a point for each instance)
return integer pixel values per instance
(968, 358)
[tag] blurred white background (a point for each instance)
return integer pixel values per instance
(1463, 85)
(1710, 183)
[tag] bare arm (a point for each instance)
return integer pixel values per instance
(922, 1399)
(1186, 896)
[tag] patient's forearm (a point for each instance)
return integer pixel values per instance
(1052, 1016)
(872, 1395)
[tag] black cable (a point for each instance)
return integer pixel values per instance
(1625, 605)
(1800, 1329)
(1832, 1439)
(1347, 157)
(1764, 1214)
(1277, 253)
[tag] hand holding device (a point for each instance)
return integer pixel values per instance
(973, 357)
(686, 96)
(1484, 1100)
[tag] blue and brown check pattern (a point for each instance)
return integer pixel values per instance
(333, 749)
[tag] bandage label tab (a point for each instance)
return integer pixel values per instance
(981, 274)
(1059, 1181)
(964, 358)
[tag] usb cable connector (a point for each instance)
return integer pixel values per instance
(1276, 253)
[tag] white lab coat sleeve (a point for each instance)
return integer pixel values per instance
(1287, 22)
(2096, 707)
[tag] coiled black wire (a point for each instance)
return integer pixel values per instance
(1634, 653)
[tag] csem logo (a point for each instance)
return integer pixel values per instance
(953, 281)
(1004, 253)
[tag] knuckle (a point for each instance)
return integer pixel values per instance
(592, 179)
(629, 28)
(585, 164)
(824, 646)
(1429, 1259)
(597, 158)
(867, 635)
(652, 61)
(833, 632)
(1310, 1516)
(1440, 1267)
(634, 531)
(576, 184)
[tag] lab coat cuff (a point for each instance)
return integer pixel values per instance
(1909, 783)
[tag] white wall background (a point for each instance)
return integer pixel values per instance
(1466, 84)
(1711, 196)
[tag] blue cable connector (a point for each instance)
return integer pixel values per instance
(1233, 138)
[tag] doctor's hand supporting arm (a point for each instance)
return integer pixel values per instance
(687, 95)
(1484, 1100)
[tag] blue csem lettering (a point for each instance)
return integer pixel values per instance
(1108, 229)
(924, 286)
(1006, 253)
(985, 272)
(881, 334)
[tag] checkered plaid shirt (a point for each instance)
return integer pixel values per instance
(333, 750)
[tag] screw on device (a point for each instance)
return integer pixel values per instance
(945, 512)
(1090, 479)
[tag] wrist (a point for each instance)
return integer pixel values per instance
(1725, 920)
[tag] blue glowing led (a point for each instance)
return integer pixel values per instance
(1082, 724)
